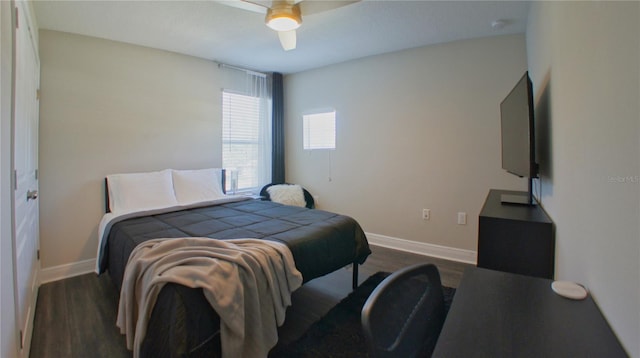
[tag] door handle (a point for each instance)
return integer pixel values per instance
(32, 195)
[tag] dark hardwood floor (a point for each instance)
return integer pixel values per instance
(76, 317)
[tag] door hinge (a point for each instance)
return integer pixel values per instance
(21, 342)
(36, 174)
(38, 94)
(15, 180)
(38, 254)
(17, 19)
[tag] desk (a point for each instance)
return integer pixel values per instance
(499, 314)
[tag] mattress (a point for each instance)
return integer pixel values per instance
(182, 322)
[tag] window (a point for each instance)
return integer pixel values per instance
(319, 130)
(241, 140)
(246, 129)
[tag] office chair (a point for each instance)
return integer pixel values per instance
(405, 313)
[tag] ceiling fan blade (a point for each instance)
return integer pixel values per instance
(310, 7)
(287, 39)
(253, 6)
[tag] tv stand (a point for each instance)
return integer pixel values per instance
(515, 238)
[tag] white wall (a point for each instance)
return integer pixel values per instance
(584, 62)
(8, 327)
(415, 129)
(109, 107)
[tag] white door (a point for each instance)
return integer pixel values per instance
(26, 177)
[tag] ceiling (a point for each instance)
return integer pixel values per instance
(214, 31)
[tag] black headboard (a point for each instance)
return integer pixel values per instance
(223, 175)
(107, 209)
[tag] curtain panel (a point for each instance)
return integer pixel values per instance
(277, 156)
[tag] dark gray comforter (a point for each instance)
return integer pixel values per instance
(182, 321)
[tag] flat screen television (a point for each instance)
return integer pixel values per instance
(518, 140)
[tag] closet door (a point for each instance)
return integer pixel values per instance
(26, 237)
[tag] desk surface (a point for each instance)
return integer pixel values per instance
(499, 314)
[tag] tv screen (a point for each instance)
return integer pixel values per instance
(516, 113)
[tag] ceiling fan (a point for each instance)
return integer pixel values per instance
(285, 16)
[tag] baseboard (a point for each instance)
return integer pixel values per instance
(421, 248)
(61, 272)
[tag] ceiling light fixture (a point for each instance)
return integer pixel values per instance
(283, 16)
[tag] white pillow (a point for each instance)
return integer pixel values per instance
(193, 186)
(287, 194)
(140, 191)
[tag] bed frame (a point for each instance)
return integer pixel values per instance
(201, 325)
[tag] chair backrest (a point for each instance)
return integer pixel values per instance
(403, 316)
(308, 198)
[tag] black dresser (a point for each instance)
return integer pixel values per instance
(515, 238)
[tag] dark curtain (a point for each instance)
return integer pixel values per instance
(277, 153)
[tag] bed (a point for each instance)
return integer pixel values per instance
(182, 321)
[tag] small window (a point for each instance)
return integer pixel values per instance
(319, 130)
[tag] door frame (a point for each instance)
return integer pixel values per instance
(8, 324)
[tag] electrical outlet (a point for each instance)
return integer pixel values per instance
(462, 218)
(426, 214)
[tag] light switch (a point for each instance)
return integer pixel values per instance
(462, 218)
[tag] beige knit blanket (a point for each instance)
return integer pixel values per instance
(248, 282)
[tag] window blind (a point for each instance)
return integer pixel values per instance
(240, 137)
